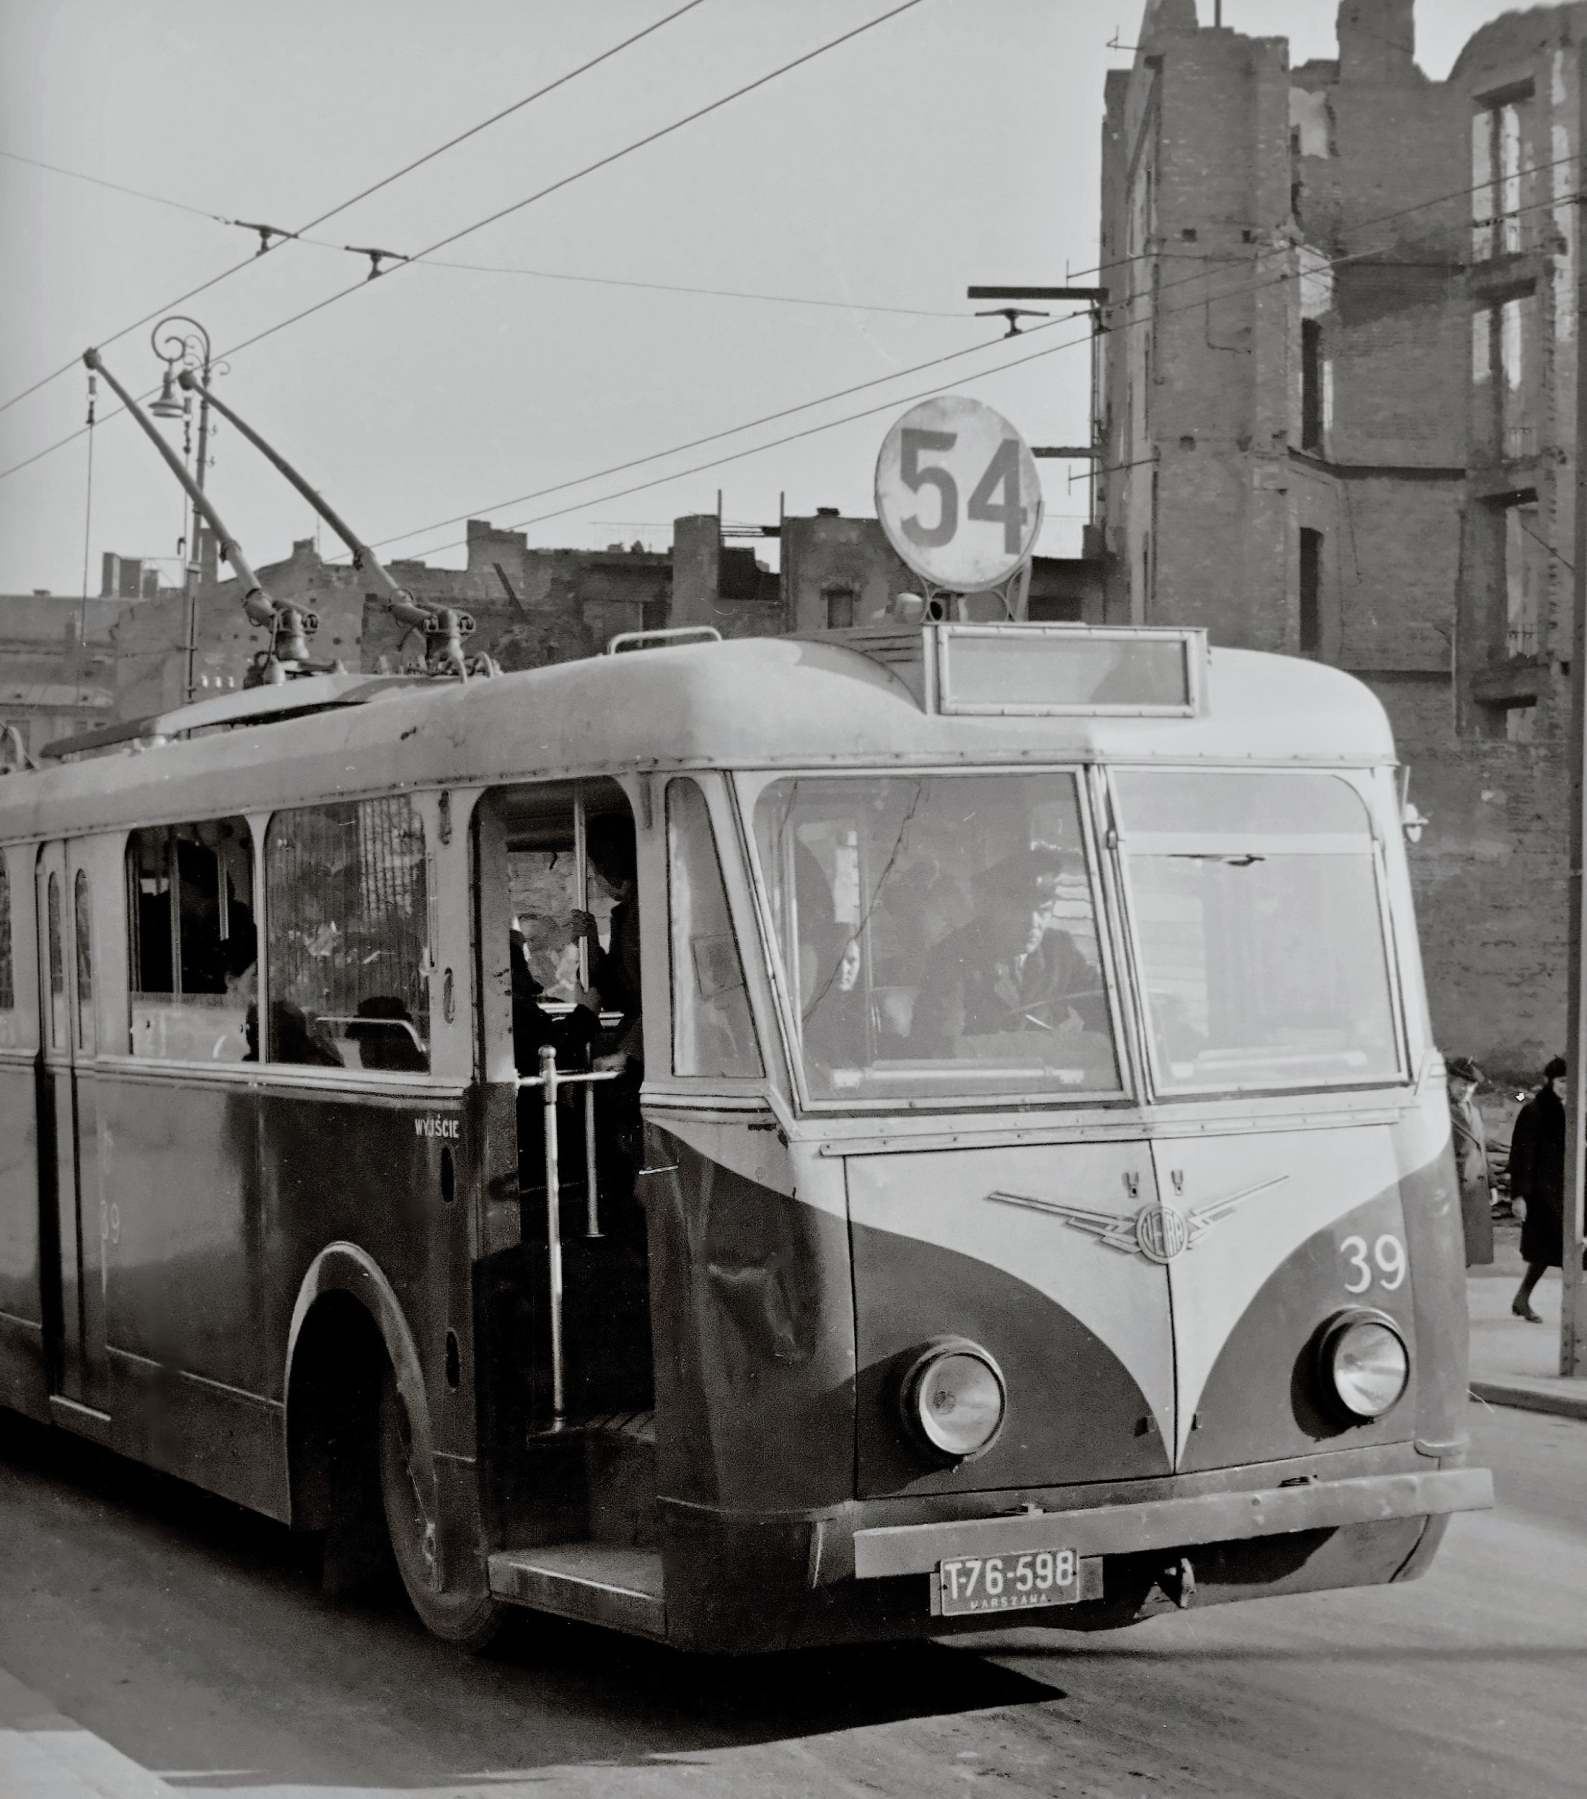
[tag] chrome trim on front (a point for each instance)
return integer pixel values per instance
(1176, 1523)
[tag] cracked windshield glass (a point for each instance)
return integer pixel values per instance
(939, 934)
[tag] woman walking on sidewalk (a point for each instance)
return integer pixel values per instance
(1537, 1174)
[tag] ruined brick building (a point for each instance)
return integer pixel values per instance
(1340, 422)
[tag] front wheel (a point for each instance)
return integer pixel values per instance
(472, 1619)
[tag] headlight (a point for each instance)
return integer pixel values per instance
(1365, 1364)
(954, 1399)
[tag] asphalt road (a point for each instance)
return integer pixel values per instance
(193, 1639)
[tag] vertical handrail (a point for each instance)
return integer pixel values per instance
(548, 1095)
(592, 1203)
(550, 1081)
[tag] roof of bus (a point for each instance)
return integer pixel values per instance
(750, 703)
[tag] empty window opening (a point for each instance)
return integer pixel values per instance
(839, 604)
(1523, 574)
(1311, 556)
(1310, 124)
(1498, 134)
(1311, 385)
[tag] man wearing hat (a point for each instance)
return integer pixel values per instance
(1471, 1159)
(1005, 971)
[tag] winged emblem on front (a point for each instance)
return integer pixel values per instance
(1158, 1231)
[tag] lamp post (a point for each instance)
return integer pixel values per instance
(181, 342)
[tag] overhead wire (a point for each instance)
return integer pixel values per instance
(1106, 330)
(602, 162)
(480, 268)
(695, 443)
(1158, 312)
(479, 224)
(363, 194)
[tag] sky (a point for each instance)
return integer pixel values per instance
(855, 197)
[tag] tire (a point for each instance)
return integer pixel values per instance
(470, 1619)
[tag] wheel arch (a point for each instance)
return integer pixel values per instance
(344, 1269)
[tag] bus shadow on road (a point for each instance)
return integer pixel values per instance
(362, 1678)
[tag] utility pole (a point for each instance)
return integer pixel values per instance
(1573, 1295)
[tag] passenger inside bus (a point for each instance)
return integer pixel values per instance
(614, 971)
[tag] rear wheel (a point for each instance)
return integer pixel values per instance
(471, 1619)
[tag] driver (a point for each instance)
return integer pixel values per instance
(1008, 970)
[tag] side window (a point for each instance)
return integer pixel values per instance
(347, 938)
(82, 932)
(712, 1033)
(57, 966)
(192, 946)
(8, 996)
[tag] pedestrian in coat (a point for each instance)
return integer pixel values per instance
(1471, 1160)
(1537, 1175)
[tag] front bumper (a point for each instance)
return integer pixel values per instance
(891, 1550)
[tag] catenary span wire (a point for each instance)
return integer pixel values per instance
(479, 224)
(603, 162)
(896, 375)
(1106, 330)
(719, 293)
(480, 268)
(116, 187)
(429, 156)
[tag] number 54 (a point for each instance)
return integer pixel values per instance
(1389, 1255)
(1001, 472)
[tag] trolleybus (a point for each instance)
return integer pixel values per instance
(1021, 1187)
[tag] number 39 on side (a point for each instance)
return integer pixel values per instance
(1383, 1265)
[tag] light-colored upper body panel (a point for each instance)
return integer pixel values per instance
(755, 703)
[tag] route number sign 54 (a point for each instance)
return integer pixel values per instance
(958, 494)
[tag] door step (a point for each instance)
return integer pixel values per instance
(602, 1583)
(84, 1419)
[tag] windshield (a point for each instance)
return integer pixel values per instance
(939, 932)
(1258, 929)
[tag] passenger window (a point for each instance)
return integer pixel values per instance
(348, 937)
(192, 963)
(57, 967)
(82, 921)
(8, 997)
(712, 1033)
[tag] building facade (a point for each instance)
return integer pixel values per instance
(1339, 421)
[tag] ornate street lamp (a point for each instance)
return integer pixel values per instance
(183, 343)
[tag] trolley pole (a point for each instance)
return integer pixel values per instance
(1573, 1295)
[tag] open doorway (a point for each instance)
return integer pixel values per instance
(564, 918)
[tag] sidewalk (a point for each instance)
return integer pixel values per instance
(1512, 1362)
(46, 1756)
